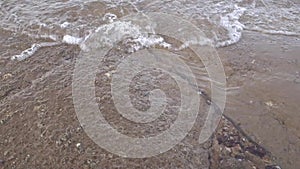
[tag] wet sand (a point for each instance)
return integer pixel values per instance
(265, 68)
(39, 127)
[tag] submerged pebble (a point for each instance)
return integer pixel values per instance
(272, 167)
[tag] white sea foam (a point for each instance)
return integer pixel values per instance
(32, 50)
(72, 40)
(65, 24)
(147, 42)
(116, 31)
(223, 21)
(36, 46)
(27, 53)
(201, 42)
(272, 32)
(232, 24)
(135, 36)
(110, 17)
(233, 15)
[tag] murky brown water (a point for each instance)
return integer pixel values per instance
(266, 102)
(39, 128)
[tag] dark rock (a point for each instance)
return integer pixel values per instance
(228, 141)
(272, 167)
(2, 162)
(256, 150)
(239, 156)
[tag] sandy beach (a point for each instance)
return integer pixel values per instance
(260, 129)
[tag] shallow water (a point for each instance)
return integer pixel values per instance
(222, 21)
(71, 21)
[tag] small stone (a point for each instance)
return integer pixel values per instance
(91, 163)
(7, 76)
(79, 147)
(58, 142)
(36, 108)
(228, 149)
(107, 75)
(43, 133)
(78, 129)
(272, 167)
(240, 157)
(1, 162)
(27, 158)
(256, 151)
(10, 158)
(40, 125)
(225, 128)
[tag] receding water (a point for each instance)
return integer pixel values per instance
(263, 71)
(222, 21)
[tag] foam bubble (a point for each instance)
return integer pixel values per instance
(109, 17)
(72, 40)
(201, 42)
(32, 50)
(272, 32)
(26, 53)
(65, 24)
(231, 23)
(147, 42)
(135, 37)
